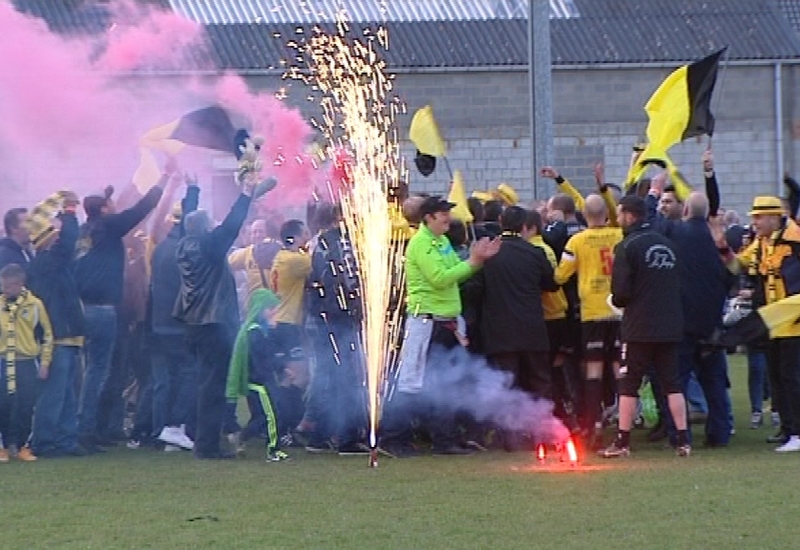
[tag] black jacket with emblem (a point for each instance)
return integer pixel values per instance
(646, 282)
(509, 291)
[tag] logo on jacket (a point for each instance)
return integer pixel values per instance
(659, 256)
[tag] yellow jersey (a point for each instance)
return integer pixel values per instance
(590, 254)
(288, 280)
(555, 303)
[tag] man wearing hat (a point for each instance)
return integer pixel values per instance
(433, 273)
(773, 259)
(99, 273)
(53, 229)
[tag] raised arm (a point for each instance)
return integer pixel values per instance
(120, 224)
(224, 235)
(564, 186)
(606, 193)
(712, 188)
(794, 195)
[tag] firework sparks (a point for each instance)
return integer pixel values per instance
(358, 116)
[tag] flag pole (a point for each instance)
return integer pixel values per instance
(449, 170)
(472, 230)
(721, 83)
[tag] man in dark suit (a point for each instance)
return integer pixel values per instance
(510, 292)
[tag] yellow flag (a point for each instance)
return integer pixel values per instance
(425, 135)
(459, 197)
(779, 317)
(677, 110)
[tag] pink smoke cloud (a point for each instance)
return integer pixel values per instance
(74, 108)
(141, 37)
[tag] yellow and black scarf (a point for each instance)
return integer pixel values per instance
(11, 342)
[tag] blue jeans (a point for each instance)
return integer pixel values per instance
(101, 336)
(695, 398)
(55, 425)
(174, 375)
(16, 409)
(756, 376)
(337, 400)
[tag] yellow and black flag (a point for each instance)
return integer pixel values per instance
(426, 137)
(679, 109)
(207, 128)
(767, 321)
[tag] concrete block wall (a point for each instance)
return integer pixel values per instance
(598, 116)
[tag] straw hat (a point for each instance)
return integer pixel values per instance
(767, 206)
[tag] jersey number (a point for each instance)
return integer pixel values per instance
(607, 259)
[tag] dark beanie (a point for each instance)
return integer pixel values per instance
(93, 204)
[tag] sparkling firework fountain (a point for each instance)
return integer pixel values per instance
(359, 117)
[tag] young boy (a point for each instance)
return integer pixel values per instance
(26, 338)
(258, 372)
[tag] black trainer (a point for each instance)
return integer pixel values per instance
(779, 437)
(612, 451)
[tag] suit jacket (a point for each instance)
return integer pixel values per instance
(509, 289)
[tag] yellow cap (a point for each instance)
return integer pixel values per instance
(507, 194)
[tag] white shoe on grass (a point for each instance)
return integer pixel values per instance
(792, 445)
(175, 435)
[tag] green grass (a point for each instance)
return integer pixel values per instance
(729, 498)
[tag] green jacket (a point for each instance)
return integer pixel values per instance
(433, 272)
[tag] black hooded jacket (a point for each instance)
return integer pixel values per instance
(646, 282)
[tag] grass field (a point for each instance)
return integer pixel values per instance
(728, 498)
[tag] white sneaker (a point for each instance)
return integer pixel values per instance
(792, 445)
(174, 435)
(171, 448)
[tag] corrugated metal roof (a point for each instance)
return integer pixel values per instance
(215, 12)
(75, 16)
(791, 9)
(608, 31)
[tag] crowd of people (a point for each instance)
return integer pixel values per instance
(148, 324)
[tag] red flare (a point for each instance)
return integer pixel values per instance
(572, 453)
(373, 458)
(541, 452)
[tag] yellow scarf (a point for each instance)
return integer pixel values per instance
(11, 342)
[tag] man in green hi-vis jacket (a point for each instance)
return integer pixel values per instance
(433, 273)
